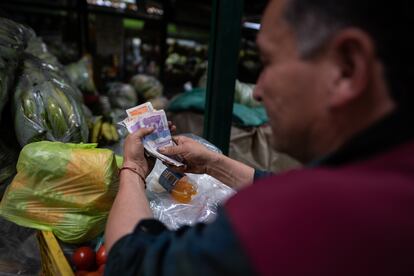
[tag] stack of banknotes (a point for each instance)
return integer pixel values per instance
(145, 116)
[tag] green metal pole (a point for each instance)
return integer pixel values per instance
(222, 69)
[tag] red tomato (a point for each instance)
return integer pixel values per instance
(101, 255)
(81, 273)
(101, 268)
(94, 273)
(84, 258)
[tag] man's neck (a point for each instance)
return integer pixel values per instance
(393, 129)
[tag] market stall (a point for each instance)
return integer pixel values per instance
(67, 107)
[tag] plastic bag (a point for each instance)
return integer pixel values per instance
(12, 43)
(147, 86)
(8, 159)
(122, 95)
(65, 188)
(38, 48)
(37, 57)
(203, 206)
(45, 108)
(244, 94)
(159, 103)
(19, 250)
(81, 74)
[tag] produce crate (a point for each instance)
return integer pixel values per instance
(54, 262)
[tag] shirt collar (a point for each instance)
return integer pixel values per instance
(395, 128)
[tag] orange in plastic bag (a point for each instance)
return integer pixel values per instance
(65, 188)
(183, 191)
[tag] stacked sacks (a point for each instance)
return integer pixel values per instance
(122, 95)
(81, 74)
(13, 39)
(148, 87)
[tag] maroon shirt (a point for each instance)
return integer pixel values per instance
(353, 219)
(353, 214)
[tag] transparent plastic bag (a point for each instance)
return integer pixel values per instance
(202, 207)
(45, 108)
(19, 250)
(244, 94)
(81, 74)
(65, 188)
(38, 48)
(7, 163)
(147, 86)
(12, 43)
(122, 95)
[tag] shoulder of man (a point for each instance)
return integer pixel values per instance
(347, 220)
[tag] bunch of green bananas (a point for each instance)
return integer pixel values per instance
(103, 132)
(45, 111)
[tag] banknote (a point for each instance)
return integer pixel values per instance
(133, 114)
(131, 124)
(161, 137)
(139, 110)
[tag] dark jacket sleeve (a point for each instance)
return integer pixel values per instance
(203, 249)
(258, 174)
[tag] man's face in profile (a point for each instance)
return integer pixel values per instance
(292, 88)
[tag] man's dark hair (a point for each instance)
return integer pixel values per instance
(389, 23)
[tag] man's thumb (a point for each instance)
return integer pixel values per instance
(174, 150)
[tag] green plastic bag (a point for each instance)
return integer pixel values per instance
(65, 188)
(243, 116)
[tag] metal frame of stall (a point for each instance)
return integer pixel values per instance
(222, 70)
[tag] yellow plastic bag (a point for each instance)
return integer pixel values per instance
(65, 188)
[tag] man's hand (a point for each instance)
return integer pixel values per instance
(196, 156)
(134, 155)
(200, 160)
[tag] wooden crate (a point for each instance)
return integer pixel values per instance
(54, 262)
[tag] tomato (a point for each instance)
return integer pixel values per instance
(84, 258)
(101, 255)
(94, 273)
(101, 268)
(81, 273)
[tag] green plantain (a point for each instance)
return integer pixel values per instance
(56, 118)
(96, 130)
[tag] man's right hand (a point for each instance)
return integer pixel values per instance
(197, 157)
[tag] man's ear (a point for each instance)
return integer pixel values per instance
(352, 54)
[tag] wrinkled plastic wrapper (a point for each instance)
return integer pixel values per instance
(38, 48)
(81, 74)
(19, 250)
(64, 188)
(46, 106)
(202, 207)
(13, 38)
(146, 86)
(8, 159)
(244, 94)
(122, 95)
(39, 58)
(159, 103)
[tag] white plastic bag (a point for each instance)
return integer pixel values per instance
(202, 208)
